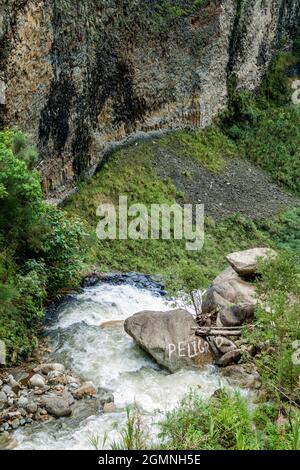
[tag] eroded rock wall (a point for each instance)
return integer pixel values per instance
(81, 76)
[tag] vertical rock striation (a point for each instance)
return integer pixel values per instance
(81, 76)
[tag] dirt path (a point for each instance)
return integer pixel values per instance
(240, 187)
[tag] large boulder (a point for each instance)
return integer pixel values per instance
(232, 298)
(169, 337)
(245, 262)
(58, 406)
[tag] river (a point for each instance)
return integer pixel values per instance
(111, 359)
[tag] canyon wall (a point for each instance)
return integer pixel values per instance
(81, 76)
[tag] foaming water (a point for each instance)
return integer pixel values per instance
(110, 358)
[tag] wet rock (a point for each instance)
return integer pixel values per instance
(83, 409)
(244, 376)
(230, 357)
(245, 262)
(112, 324)
(90, 280)
(87, 389)
(109, 408)
(58, 406)
(169, 337)
(105, 396)
(73, 381)
(37, 381)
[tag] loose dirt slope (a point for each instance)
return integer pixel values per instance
(240, 187)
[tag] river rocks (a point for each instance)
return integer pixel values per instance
(88, 389)
(244, 376)
(231, 298)
(46, 368)
(3, 400)
(48, 394)
(15, 386)
(224, 345)
(37, 381)
(31, 407)
(105, 396)
(169, 338)
(58, 406)
(229, 358)
(245, 262)
(109, 408)
(55, 377)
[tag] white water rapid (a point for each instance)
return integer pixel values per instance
(110, 359)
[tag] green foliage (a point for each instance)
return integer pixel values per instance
(275, 88)
(41, 249)
(62, 249)
(209, 147)
(296, 46)
(278, 324)
(133, 435)
(227, 423)
(266, 128)
(131, 172)
(273, 142)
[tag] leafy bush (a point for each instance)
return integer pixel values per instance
(41, 249)
(277, 325)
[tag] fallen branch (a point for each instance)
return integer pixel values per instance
(220, 332)
(214, 328)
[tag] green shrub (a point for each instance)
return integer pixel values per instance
(277, 325)
(226, 422)
(41, 249)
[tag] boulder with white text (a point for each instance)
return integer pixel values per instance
(169, 338)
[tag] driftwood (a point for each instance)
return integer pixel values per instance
(218, 332)
(212, 328)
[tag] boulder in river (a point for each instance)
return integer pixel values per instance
(58, 406)
(245, 262)
(169, 337)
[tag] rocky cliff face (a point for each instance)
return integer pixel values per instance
(82, 75)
